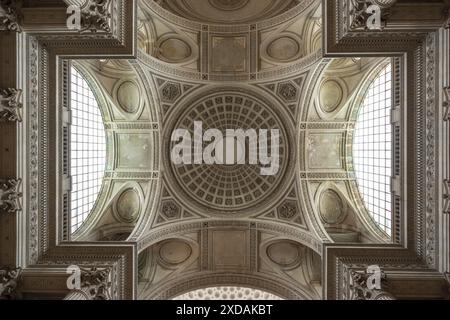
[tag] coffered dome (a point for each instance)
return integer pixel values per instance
(225, 188)
(228, 11)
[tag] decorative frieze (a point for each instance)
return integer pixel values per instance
(10, 105)
(10, 15)
(369, 285)
(10, 195)
(9, 281)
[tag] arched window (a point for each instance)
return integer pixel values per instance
(372, 149)
(88, 149)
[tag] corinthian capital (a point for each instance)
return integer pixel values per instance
(10, 15)
(94, 284)
(95, 16)
(10, 105)
(9, 280)
(369, 285)
(359, 12)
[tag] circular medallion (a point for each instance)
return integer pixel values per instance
(128, 96)
(284, 253)
(330, 95)
(128, 206)
(283, 49)
(331, 207)
(175, 252)
(174, 50)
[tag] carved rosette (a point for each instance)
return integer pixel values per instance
(10, 105)
(359, 289)
(95, 285)
(95, 16)
(10, 195)
(10, 15)
(9, 281)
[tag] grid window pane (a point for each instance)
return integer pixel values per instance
(88, 149)
(372, 150)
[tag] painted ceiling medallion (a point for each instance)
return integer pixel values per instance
(228, 5)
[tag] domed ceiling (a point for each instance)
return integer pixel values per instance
(238, 188)
(227, 11)
(225, 65)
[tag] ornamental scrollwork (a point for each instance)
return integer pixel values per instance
(10, 195)
(10, 104)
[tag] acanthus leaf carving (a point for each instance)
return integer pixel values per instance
(10, 105)
(10, 15)
(95, 16)
(359, 289)
(358, 13)
(10, 195)
(9, 281)
(95, 282)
